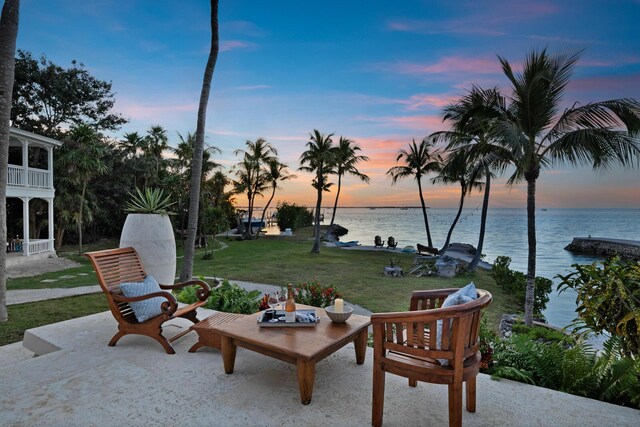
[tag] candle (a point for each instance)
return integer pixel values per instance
(338, 305)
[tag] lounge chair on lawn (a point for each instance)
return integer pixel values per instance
(391, 242)
(378, 242)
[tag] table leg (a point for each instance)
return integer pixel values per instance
(228, 349)
(360, 344)
(306, 378)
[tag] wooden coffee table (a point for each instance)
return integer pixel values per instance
(301, 346)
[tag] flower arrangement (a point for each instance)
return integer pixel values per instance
(314, 294)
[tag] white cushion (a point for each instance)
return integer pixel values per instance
(461, 296)
(147, 309)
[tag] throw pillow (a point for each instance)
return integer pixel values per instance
(144, 310)
(461, 296)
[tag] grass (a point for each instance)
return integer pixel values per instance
(34, 314)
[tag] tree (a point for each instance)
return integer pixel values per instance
(196, 165)
(8, 36)
(419, 161)
(81, 158)
(274, 173)
(48, 98)
(346, 159)
(155, 143)
(319, 159)
(540, 136)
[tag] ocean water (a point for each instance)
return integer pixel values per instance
(506, 234)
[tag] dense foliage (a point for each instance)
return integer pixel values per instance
(514, 282)
(228, 297)
(314, 294)
(608, 299)
(290, 215)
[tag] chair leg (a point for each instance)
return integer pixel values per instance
(470, 388)
(412, 383)
(163, 341)
(455, 405)
(378, 396)
(116, 337)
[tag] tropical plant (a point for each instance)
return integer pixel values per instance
(345, 162)
(514, 283)
(541, 135)
(155, 143)
(8, 36)
(149, 201)
(608, 299)
(228, 298)
(274, 173)
(82, 159)
(314, 294)
(198, 150)
(290, 215)
(319, 158)
(419, 161)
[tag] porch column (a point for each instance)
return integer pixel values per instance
(50, 222)
(25, 225)
(50, 169)
(25, 162)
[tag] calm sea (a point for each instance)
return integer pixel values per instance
(506, 234)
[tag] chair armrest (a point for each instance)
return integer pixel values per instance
(202, 293)
(168, 307)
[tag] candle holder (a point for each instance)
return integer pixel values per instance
(338, 317)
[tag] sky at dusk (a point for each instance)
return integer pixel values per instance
(377, 72)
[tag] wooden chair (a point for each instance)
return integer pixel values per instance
(378, 242)
(116, 266)
(426, 250)
(404, 344)
(391, 242)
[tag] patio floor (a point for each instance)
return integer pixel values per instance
(84, 382)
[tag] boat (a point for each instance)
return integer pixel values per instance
(347, 244)
(256, 224)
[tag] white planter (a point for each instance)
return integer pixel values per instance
(152, 236)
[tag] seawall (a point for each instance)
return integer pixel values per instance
(605, 247)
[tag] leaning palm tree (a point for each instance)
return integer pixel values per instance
(274, 173)
(196, 165)
(419, 161)
(540, 135)
(319, 159)
(346, 159)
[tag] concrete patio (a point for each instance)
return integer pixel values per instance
(82, 381)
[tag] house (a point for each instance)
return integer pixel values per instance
(30, 195)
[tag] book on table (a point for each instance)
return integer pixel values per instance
(275, 319)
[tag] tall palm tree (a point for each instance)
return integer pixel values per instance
(319, 159)
(252, 180)
(346, 159)
(274, 173)
(82, 159)
(8, 36)
(419, 161)
(540, 135)
(155, 143)
(196, 165)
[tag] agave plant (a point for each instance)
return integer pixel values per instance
(151, 201)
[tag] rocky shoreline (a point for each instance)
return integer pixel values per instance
(605, 247)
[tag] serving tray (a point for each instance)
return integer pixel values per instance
(265, 319)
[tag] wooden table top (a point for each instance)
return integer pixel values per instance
(302, 342)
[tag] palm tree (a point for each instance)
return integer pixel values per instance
(252, 180)
(318, 158)
(82, 159)
(346, 159)
(274, 173)
(196, 164)
(8, 36)
(419, 161)
(540, 135)
(155, 143)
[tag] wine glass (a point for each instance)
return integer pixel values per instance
(282, 298)
(273, 303)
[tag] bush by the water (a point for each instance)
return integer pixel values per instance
(290, 215)
(314, 294)
(515, 283)
(228, 297)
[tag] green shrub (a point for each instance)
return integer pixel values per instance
(539, 333)
(608, 299)
(228, 297)
(290, 215)
(515, 283)
(313, 293)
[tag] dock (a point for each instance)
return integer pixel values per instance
(605, 247)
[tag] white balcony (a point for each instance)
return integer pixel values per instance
(18, 176)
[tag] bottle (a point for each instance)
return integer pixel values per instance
(290, 306)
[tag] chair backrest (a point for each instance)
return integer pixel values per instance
(113, 267)
(378, 240)
(391, 241)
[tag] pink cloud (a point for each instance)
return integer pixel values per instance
(627, 84)
(418, 101)
(155, 112)
(229, 45)
(446, 65)
(424, 123)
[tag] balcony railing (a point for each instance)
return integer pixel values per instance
(38, 246)
(38, 178)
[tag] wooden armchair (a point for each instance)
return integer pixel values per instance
(405, 344)
(116, 266)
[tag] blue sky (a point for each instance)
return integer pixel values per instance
(378, 72)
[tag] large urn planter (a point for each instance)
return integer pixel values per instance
(152, 236)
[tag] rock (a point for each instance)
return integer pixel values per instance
(506, 325)
(393, 271)
(605, 247)
(464, 248)
(334, 232)
(447, 266)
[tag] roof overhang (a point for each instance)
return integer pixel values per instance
(19, 133)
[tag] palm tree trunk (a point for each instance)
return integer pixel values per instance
(455, 221)
(316, 242)
(424, 214)
(273, 193)
(82, 194)
(531, 264)
(198, 150)
(483, 223)
(335, 204)
(8, 35)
